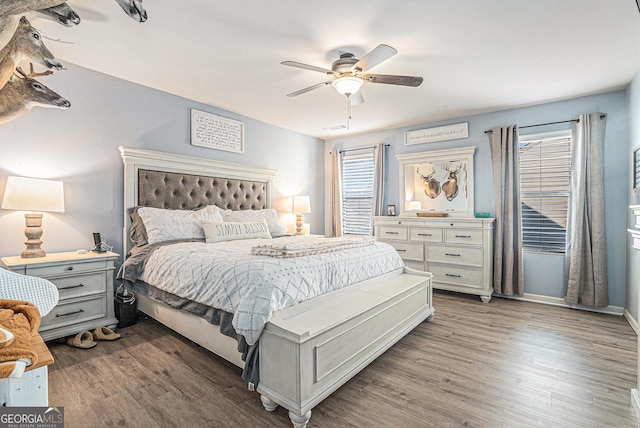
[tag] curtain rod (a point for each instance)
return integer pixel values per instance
(360, 148)
(602, 116)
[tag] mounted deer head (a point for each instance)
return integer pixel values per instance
(134, 9)
(26, 43)
(62, 14)
(450, 188)
(430, 185)
(20, 95)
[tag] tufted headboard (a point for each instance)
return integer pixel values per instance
(178, 191)
(164, 180)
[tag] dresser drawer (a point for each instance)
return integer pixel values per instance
(426, 234)
(463, 236)
(386, 232)
(409, 251)
(65, 268)
(75, 312)
(469, 256)
(81, 285)
(456, 275)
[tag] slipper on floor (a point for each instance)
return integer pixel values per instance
(6, 337)
(105, 333)
(82, 340)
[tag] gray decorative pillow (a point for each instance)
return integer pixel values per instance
(269, 215)
(170, 225)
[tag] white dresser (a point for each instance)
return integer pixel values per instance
(457, 251)
(85, 284)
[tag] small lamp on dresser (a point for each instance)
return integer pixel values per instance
(36, 196)
(301, 205)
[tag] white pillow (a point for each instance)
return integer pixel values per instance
(169, 225)
(220, 231)
(269, 215)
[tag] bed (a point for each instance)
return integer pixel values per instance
(309, 343)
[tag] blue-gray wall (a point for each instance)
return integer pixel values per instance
(543, 273)
(80, 147)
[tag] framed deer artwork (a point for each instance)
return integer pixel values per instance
(439, 181)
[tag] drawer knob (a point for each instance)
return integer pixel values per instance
(452, 255)
(401, 251)
(452, 275)
(69, 268)
(391, 233)
(424, 234)
(463, 236)
(69, 313)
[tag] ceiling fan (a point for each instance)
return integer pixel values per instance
(350, 73)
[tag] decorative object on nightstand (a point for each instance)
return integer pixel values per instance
(35, 195)
(300, 205)
(85, 284)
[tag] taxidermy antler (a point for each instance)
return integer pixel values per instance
(450, 188)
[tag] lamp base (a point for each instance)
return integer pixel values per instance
(299, 224)
(33, 232)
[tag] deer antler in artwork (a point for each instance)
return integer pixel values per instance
(32, 72)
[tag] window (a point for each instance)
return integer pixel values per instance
(545, 183)
(357, 194)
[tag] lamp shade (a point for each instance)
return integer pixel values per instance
(301, 204)
(348, 85)
(33, 194)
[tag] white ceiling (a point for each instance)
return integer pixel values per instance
(475, 55)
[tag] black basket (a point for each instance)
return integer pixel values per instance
(125, 312)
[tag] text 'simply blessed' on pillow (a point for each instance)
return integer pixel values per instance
(217, 231)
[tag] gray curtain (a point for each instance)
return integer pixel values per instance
(508, 277)
(378, 179)
(587, 283)
(335, 211)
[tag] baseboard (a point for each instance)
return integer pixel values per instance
(558, 301)
(632, 322)
(635, 402)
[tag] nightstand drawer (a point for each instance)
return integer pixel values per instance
(81, 285)
(457, 255)
(386, 232)
(68, 268)
(75, 312)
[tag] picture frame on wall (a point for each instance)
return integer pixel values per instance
(216, 132)
(438, 181)
(391, 210)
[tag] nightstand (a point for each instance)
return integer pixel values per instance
(85, 284)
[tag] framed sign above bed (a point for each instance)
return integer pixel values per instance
(216, 132)
(439, 181)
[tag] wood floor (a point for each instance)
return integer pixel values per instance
(503, 364)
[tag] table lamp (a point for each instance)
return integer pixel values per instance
(36, 196)
(301, 205)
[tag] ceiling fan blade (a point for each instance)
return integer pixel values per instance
(375, 57)
(356, 98)
(310, 88)
(307, 67)
(391, 79)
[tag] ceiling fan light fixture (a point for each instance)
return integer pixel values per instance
(348, 85)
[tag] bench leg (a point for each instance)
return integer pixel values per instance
(300, 421)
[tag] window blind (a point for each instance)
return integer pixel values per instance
(545, 183)
(357, 194)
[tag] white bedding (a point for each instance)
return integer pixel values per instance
(226, 276)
